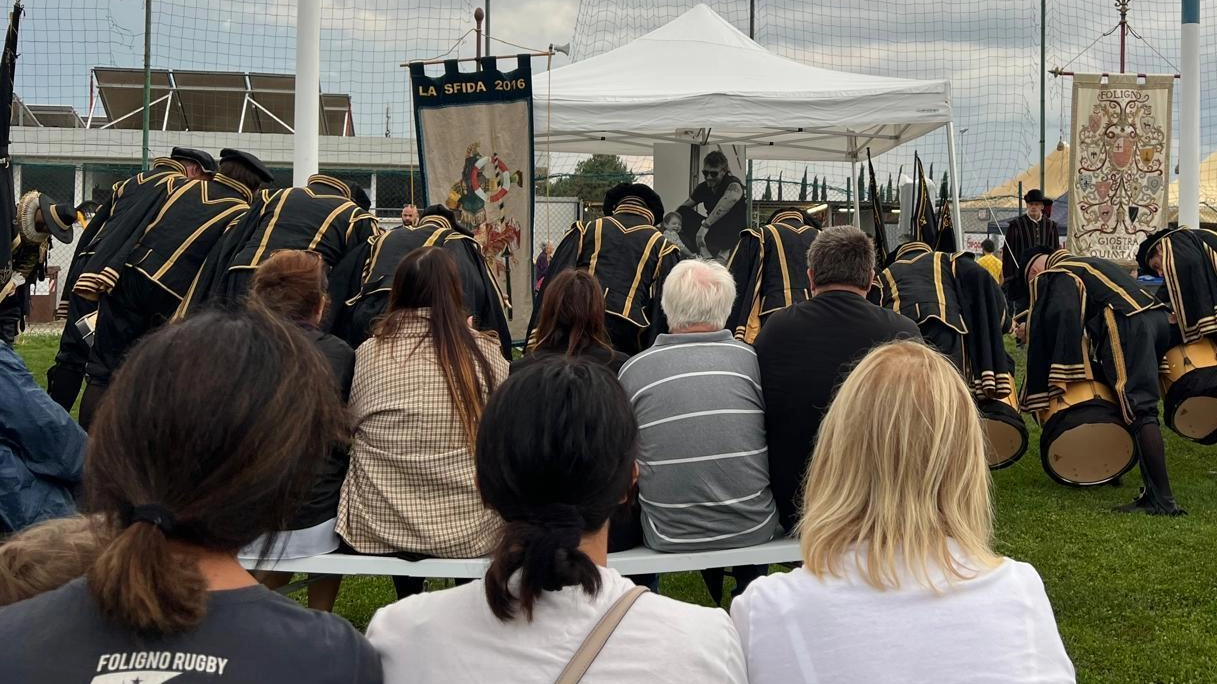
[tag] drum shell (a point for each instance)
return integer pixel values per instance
(1106, 462)
(1005, 413)
(1195, 384)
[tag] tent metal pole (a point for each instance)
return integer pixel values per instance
(1189, 118)
(306, 137)
(1043, 85)
(148, 82)
(953, 171)
(853, 173)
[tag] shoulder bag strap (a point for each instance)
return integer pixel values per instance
(598, 637)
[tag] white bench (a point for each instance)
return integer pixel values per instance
(639, 561)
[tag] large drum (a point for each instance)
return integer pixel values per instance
(1084, 440)
(1189, 390)
(1005, 428)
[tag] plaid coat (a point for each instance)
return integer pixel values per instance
(411, 484)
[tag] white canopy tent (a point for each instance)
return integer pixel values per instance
(699, 80)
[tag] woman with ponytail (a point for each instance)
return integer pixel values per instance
(421, 382)
(555, 456)
(209, 437)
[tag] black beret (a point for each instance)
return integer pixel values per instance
(58, 218)
(1029, 255)
(1147, 247)
(643, 192)
(248, 160)
(203, 159)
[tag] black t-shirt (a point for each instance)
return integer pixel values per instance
(250, 636)
(724, 232)
(805, 351)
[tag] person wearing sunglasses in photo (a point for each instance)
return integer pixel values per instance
(722, 195)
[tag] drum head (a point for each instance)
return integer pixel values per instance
(1191, 406)
(1006, 431)
(1087, 445)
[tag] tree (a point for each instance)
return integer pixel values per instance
(592, 178)
(768, 189)
(891, 191)
(944, 190)
(803, 186)
(780, 183)
(861, 186)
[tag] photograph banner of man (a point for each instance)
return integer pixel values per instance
(1120, 159)
(475, 151)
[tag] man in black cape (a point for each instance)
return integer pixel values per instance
(367, 286)
(1087, 309)
(38, 219)
(769, 264)
(321, 217)
(629, 257)
(1032, 229)
(133, 201)
(959, 309)
(140, 275)
(1186, 260)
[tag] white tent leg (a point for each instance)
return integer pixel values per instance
(853, 173)
(953, 171)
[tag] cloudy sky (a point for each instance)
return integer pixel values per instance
(988, 48)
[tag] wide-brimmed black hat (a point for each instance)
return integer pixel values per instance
(642, 192)
(203, 159)
(1035, 195)
(1146, 248)
(249, 161)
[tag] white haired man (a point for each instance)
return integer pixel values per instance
(703, 478)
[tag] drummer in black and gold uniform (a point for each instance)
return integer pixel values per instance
(769, 264)
(38, 219)
(1186, 260)
(321, 217)
(629, 257)
(133, 201)
(367, 287)
(1075, 299)
(139, 275)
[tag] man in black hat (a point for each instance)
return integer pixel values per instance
(630, 258)
(39, 219)
(1032, 229)
(1184, 259)
(769, 264)
(196, 163)
(366, 286)
(141, 282)
(1084, 308)
(133, 203)
(321, 217)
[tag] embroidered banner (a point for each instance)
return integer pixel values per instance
(1120, 161)
(475, 152)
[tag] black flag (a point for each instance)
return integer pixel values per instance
(8, 203)
(880, 236)
(924, 223)
(946, 230)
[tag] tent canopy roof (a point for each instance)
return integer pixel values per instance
(699, 80)
(1056, 180)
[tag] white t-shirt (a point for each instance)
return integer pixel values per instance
(995, 629)
(451, 636)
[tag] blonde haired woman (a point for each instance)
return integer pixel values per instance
(900, 582)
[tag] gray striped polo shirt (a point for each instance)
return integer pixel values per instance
(703, 465)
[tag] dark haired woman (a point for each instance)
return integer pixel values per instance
(184, 474)
(420, 384)
(571, 323)
(292, 284)
(555, 457)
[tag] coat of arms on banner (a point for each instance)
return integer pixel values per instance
(475, 150)
(1120, 162)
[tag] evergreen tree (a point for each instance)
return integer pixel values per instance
(803, 186)
(768, 189)
(944, 190)
(592, 178)
(861, 186)
(780, 184)
(891, 190)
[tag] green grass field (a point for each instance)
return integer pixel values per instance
(1135, 596)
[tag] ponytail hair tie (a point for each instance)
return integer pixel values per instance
(153, 514)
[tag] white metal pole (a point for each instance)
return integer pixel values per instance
(953, 172)
(1189, 118)
(853, 175)
(308, 90)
